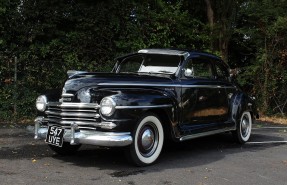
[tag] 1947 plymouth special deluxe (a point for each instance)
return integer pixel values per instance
(149, 96)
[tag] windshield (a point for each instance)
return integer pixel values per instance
(150, 63)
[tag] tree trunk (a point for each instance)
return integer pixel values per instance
(223, 19)
(210, 14)
(210, 18)
(223, 42)
(265, 93)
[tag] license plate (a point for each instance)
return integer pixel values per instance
(55, 136)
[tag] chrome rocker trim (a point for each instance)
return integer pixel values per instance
(76, 136)
(193, 136)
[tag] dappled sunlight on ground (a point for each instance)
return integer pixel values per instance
(277, 120)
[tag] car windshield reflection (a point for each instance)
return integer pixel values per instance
(150, 63)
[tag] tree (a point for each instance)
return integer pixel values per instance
(221, 16)
(264, 28)
(161, 24)
(50, 37)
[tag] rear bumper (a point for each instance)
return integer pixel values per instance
(75, 136)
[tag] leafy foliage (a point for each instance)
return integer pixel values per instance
(49, 37)
(264, 37)
(162, 26)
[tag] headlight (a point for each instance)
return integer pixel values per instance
(107, 106)
(41, 103)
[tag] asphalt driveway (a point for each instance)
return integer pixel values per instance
(210, 160)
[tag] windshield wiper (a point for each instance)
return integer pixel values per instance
(150, 72)
(165, 71)
(157, 72)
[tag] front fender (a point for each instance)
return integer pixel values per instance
(142, 97)
(53, 95)
(132, 103)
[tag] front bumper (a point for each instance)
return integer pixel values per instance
(75, 136)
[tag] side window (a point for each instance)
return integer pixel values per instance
(221, 72)
(198, 67)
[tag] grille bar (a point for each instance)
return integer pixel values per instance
(68, 123)
(54, 118)
(74, 105)
(73, 114)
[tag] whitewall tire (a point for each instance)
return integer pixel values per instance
(148, 138)
(243, 128)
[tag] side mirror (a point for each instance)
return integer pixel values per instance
(188, 72)
(234, 72)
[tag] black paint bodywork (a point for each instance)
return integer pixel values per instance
(186, 106)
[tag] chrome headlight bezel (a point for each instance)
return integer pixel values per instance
(107, 106)
(41, 103)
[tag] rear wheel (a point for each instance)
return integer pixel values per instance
(66, 149)
(148, 140)
(243, 128)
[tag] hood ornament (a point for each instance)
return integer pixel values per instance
(71, 73)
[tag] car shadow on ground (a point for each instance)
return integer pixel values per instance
(191, 153)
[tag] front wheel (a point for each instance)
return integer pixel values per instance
(243, 128)
(148, 140)
(66, 149)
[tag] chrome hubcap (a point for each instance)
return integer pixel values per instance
(245, 126)
(147, 139)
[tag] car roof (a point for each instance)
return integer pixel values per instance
(164, 51)
(183, 52)
(179, 52)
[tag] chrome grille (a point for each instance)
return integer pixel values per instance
(86, 115)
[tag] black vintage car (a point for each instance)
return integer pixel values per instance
(150, 96)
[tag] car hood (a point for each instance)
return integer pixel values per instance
(82, 80)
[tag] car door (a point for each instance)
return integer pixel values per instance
(223, 77)
(203, 99)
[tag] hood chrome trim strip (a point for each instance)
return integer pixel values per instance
(165, 85)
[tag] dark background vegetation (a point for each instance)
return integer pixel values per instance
(49, 37)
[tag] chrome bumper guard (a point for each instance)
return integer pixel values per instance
(76, 136)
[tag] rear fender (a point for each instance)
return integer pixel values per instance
(240, 103)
